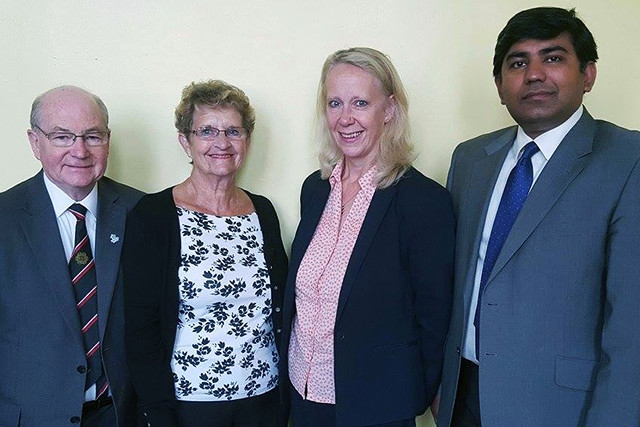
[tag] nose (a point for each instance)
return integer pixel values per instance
(79, 148)
(346, 117)
(535, 71)
(222, 142)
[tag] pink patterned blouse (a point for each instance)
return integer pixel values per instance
(318, 285)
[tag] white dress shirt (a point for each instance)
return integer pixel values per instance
(66, 221)
(548, 142)
(67, 227)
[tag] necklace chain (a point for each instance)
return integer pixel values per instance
(347, 202)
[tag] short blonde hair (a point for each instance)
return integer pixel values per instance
(212, 93)
(396, 151)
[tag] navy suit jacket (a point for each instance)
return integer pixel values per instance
(559, 335)
(395, 300)
(41, 349)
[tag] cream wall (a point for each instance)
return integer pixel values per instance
(138, 55)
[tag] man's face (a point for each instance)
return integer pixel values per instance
(541, 83)
(73, 169)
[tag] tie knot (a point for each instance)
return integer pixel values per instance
(529, 150)
(78, 211)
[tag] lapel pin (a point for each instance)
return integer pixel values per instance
(114, 238)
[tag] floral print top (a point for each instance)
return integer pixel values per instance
(225, 346)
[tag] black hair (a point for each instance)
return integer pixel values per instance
(544, 23)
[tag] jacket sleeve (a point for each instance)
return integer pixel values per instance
(146, 271)
(616, 396)
(429, 230)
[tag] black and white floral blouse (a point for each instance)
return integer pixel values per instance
(225, 346)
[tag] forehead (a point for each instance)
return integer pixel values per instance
(204, 114)
(530, 47)
(348, 77)
(70, 110)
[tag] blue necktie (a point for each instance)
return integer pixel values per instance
(513, 198)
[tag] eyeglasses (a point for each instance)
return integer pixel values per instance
(66, 139)
(209, 133)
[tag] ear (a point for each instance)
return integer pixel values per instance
(184, 141)
(33, 141)
(590, 73)
(390, 110)
(498, 82)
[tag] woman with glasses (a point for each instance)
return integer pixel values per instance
(369, 293)
(204, 269)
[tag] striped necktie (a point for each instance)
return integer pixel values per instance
(85, 288)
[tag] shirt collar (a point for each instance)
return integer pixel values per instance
(61, 201)
(549, 141)
(365, 181)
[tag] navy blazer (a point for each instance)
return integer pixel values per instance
(42, 356)
(151, 258)
(395, 300)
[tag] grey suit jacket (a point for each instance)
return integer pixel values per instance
(41, 349)
(560, 318)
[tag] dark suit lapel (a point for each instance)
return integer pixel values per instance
(109, 238)
(309, 220)
(569, 159)
(375, 214)
(40, 228)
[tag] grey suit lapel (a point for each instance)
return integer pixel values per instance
(476, 202)
(569, 159)
(109, 238)
(40, 228)
(375, 214)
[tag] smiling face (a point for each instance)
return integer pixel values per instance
(77, 168)
(356, 111)
(220, 158)
(541, 83)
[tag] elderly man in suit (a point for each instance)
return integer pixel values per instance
(61, 310)
(546, 306)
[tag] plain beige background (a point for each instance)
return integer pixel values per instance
(138, 55)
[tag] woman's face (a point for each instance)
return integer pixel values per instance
(357, 111)
(220, 156)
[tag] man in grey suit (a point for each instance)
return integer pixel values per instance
(546, 320)
(58, 368)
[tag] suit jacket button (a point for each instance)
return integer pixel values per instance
(278, 331)
(75, 420)
(277, 309)
(82, 369)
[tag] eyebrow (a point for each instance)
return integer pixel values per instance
(88, 130)
(541, 52)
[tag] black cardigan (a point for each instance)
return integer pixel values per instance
(150, 261)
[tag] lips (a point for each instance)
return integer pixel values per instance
(351, 135)
(538, 95)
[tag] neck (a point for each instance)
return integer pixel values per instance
(220, 197)
(352, 171)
